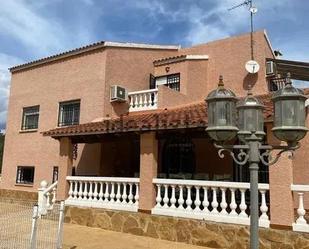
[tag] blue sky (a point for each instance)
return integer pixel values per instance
(31, 29)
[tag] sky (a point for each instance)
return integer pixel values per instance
(32, 29)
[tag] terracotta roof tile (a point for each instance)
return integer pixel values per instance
(192, 115)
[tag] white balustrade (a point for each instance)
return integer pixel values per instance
(47, 197)
(143, 100)
(208, 200)
(299, 191)
(104, 192)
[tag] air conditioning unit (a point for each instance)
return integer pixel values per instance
(118, 94)
(270, 68)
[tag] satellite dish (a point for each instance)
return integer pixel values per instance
(253, 10)
(252, 66)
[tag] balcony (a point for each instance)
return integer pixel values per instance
(143, 100)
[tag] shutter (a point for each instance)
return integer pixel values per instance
(152, 82)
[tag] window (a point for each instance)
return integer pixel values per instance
(69, 113)
(30, 118)
(55, 174)
(172, 81)
(25, 174)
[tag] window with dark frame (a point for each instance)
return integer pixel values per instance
(55, 173)
(69, 113)
(30, 118)
(171, 81)
(25, 175)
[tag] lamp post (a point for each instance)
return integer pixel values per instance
(223, 126)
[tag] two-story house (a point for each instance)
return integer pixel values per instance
(142, 146)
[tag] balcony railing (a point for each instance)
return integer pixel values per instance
(104, 192)
(208, 200)
(300, 224)
(143, 100)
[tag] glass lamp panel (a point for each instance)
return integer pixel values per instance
(289, 111)
(278, 115)
(241, 121)
(251, 120)
(211, 113)
(222, 113)
(302, 113)
(260, 120)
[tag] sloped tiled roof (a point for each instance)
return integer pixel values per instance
(186, 116)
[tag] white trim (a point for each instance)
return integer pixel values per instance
(140, 45)
(197, 57)
(102, 179)
(269, 44)
(300, 188)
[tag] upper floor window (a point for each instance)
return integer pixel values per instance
(25, 175)
(69, 113)
(171, 81)
(30, 118)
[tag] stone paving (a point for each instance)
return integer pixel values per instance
(83, 237)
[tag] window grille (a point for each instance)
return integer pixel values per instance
(69, 113)
(25, 174)
(30, 118)
(173, 81)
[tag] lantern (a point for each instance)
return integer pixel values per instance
(221, 105)
(250, 117)
(289, 113)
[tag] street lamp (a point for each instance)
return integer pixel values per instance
(289, 126)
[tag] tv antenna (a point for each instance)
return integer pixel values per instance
(251, 66)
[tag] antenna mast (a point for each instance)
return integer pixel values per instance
(252, 10)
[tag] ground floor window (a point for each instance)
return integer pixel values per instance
(55, 173)
(25, 174)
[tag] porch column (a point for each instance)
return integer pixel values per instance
(65, 167)
(148, 170)
(280, 180)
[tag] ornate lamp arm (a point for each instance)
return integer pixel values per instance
(240, 158)
(268, 159)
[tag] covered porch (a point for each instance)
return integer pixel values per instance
(163, 163)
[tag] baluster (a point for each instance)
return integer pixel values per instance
(243, 205)
(85, 191)
(106, 194)
(165, 199)
(233, 204)
(205, 201)
(173, 198)
(135, 101)
(158, 198)
(140, 100)
(131, 101)
(90, 192)
(54, 191)
(181, 201)
(48, 200)
(137, 195)
(155, 99)
(223, 203)
(71, 190)
(130, 194)
(263, 207)
(197, 201)
(301, 211)
(112, 195)
(124, 194)
(101, 192)
(189, 200)
(80, 191)
(118, 195)
(214, 202)
(95, 192)
(75, 191)
(145, 104)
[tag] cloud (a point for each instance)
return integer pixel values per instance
(6, 61)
